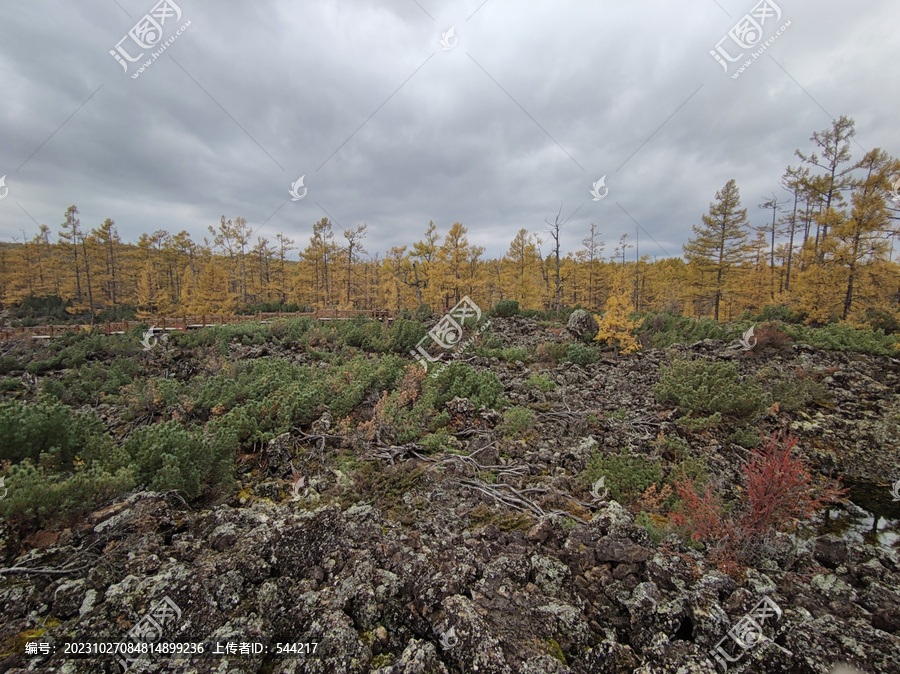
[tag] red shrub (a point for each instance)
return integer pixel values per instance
(779, 493)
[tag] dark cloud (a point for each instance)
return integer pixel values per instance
(534, 102)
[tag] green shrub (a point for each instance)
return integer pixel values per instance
(779, 313)
(627, 476)
(704, 389)
(748, 438)
(91, 382)
(36, 493)
(482, 388)
(291, 330)
(540, 382)
(656, 530)
(404, 335)
(489, 342)
(10, 384)
(882, 320)
(168, 456)
(506, 308)
(662, 330)
(422, 313)
(28, 429)
(792, 393)
(516, 421)
(362, 333)
(264, 398)
(436, 442)
(241, 381)
(9, 364)
(844, 337)
(514, 353)
(581, 354)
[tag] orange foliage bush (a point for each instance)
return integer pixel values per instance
(779, 494)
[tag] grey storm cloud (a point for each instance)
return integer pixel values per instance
(511, 119)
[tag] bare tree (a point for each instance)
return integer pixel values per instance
(553, 230)
(353, 249)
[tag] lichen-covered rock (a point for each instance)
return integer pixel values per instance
(582, 324)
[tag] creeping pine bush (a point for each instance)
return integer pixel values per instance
(404, 335)
(28, 429)
(551, 352)
(793, 391)
(581, 354)
(506, 308)
(665, 329)
(707, 391)
(482, 388)
(844, 337)
(627, 476)
(270, 398)
(516, 420)
(36, 492)
(62, 462)
(541, 382)
(168, 456)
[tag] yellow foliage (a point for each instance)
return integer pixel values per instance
(616, 326)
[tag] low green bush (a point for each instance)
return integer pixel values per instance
(404, 335)
(28, 429)
(168, 456)
(581, 354)
(627, 476)
(37, 493)
(844, 337)
(516, 421)
(506, 308)
(10, 384)
(551, 352)
(792, 391)
(540, 382)
(662, 330)
(482, 388)
(703, 389)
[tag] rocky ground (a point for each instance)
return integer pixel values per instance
(419, 567)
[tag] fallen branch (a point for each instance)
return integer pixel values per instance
(515, 500)
(25, 569)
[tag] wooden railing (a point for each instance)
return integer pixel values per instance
(185, 323)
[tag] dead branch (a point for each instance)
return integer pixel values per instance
(515, 499)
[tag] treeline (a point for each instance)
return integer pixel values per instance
(823, 254)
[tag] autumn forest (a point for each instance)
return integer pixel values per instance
(823, 250)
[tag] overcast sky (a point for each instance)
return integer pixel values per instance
(520, 111)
